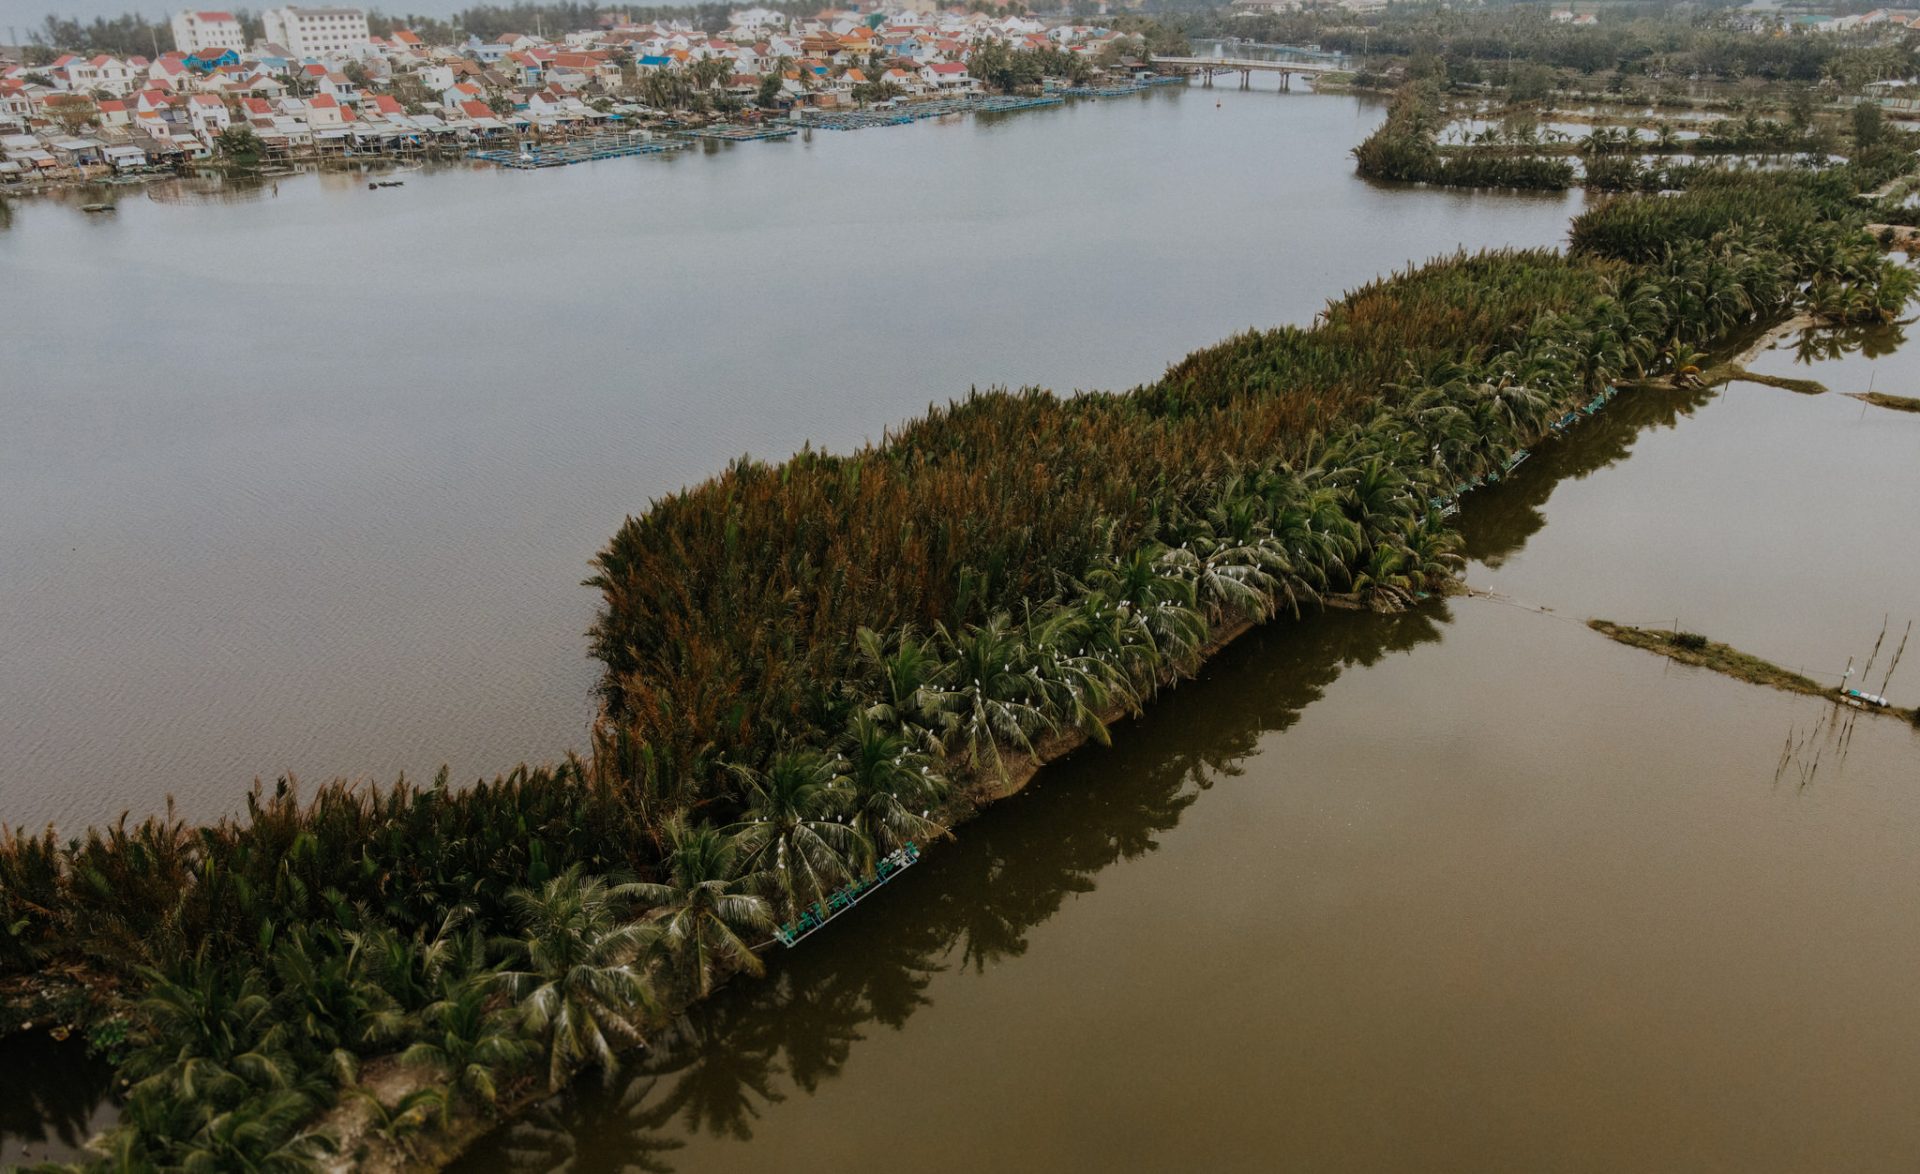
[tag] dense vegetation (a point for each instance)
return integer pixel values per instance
(1655, 44)
(1403, 148)
(1515, 153)
(810, 663)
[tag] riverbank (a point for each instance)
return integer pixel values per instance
(611, 137)
(1690, 648)
(1532, 282)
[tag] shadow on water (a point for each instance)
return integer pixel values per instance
(214, 189)
(1498, 521)
(53, 1098)
(973, 902)
(970, 906)
(1820, 344)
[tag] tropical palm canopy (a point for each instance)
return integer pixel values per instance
(809, 665)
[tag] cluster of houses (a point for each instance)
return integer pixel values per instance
(321, 82)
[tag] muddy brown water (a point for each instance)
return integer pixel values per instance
(1465, 889)
(307, 480)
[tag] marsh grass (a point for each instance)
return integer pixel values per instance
(1880, 399)
(1694, 649)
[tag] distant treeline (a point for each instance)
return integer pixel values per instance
(1634, 40)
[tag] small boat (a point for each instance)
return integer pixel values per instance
(816, 916)
(1862, 697)
(96, 207)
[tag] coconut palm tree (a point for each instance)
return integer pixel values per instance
(1157, 602)
(580, 991)
(401, 1122)
(903, 674)
(1383, 582)
(883, 783)
(409, 969)
(988, 697)
(702, 915)
(328, 1000)
(466, 1042)
(210, 1034)
(791, 830)
(1076, 656)
(256, 1137)
(1377, 497)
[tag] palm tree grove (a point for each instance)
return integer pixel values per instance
(808, 667)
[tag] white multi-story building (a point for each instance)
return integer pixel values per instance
(194, 31)
(317, 32)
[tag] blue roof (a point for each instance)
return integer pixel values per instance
(656, 60)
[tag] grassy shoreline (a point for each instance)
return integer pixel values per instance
(1692, 649)
(1880, 399)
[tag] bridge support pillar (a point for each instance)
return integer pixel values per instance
(1246, 79)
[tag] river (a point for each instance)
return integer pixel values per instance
(1469, 888)
(1466, 889)
(307, 481)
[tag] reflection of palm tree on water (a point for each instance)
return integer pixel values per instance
(756, 1044)
(751, 1047)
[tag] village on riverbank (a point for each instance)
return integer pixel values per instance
(319, 84)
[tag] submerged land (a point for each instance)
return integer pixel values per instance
(1880, 399)
(1695, 649)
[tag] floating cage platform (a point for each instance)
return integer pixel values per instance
(527, 158)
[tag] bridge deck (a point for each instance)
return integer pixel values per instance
(1250, 63)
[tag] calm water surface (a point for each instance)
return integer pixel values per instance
(1466, 889)
(307, 482)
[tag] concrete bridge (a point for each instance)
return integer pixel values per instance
(1246, 67)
